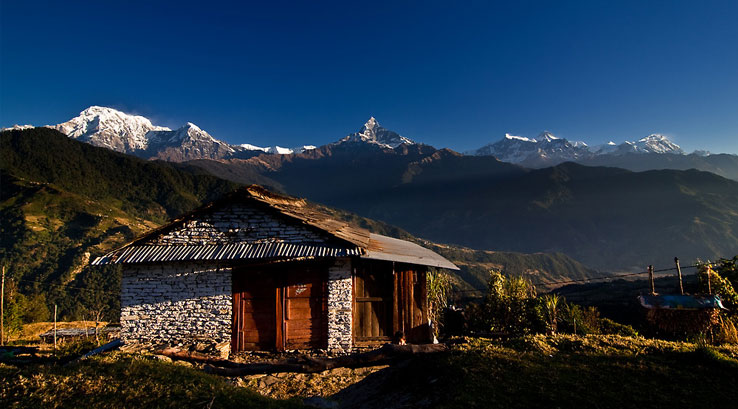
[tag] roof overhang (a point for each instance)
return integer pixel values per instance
(402, 251)
(224, 252)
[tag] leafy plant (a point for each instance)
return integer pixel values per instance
(439, 291)
(509, 307)
(550, 304)
(720, 280)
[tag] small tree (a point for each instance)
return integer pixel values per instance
(439, 289)
(723, 279)
(550, 306)
(509, 305)
(718, 282)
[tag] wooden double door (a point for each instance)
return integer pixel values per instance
(280, 307)
(390, 297)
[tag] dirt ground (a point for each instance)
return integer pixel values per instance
(323, 384)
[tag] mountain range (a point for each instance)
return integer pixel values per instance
(136, 135)
(607, 217)
(548, 150)
(132, 134)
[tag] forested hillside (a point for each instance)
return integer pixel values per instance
(65, 202)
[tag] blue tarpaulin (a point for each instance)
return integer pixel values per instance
(681, 302)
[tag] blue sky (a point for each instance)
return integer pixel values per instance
(447, 74)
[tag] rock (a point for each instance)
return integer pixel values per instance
(224, 349)
(162, 358)
(269, 380)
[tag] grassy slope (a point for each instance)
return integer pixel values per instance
(124, 381)
(560, 371)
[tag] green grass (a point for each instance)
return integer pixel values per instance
(572, 372)
(562, 371)
(124, 381)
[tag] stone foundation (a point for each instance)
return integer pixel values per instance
(172, 303)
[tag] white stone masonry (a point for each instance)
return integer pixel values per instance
(173, 302)
(340, 311)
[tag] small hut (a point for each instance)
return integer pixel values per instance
(270, 272)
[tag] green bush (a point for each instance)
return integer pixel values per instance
(509, 307)
(610, 327)
(439, 291)
(580, 320)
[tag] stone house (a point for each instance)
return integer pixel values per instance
(270, 272)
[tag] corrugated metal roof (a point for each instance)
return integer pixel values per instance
(239, 251)
(354, 241)
(389, 249)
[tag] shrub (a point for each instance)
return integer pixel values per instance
(610, 327)
(718, 284)
(580, 320)
(439, 290)
(509, 307)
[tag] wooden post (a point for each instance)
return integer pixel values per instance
(650, 278)
(2, 309)
(679, 271)
(54, 329)
(709, 284)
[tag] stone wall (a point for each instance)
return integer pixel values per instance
(240, 223)
(174, 302)
(340, 302)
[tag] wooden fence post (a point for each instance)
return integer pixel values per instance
(650, 278)
(709, 284)
(679, 271)
(54, 329)
(2, 309)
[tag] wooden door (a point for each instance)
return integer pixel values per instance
(280, 307)
(411, 303)
(373, 301)
(255, 314)
(305, 309)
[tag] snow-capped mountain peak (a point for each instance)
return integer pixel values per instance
(110, 128)
(370, 124)
(372, 132)
(546, 136)
(277, 149)
(519, 138)
(134, 134)
(657, 143)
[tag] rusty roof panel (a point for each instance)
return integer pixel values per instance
(223, 252)
(389, 249)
